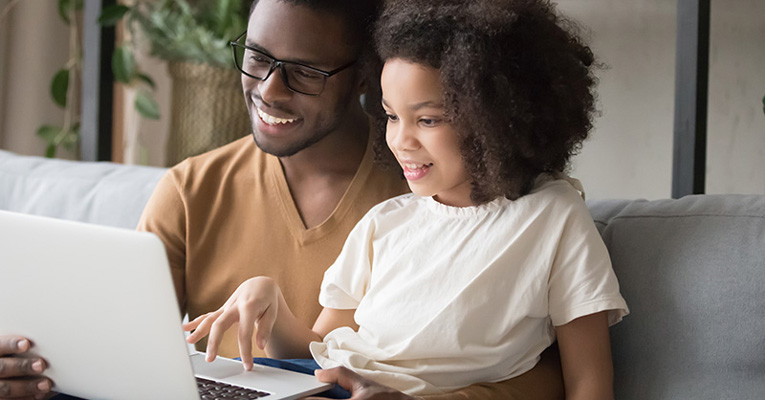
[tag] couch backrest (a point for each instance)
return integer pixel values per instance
(693, 274)
(692, 271)
(96, 192)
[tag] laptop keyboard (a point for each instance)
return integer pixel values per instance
(212, 390)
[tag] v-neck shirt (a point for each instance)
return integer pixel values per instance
(228, 215)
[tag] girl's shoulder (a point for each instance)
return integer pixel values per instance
(556, 193)
(396, 204)
(558, 183)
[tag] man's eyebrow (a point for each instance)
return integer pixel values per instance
(256, 47)
(310, 63)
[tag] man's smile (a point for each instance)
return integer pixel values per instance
(271, 120)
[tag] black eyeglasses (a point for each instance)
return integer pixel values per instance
(299, 78)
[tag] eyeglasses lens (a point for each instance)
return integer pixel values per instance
(298, 78)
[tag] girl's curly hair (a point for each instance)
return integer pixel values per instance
(518, 83)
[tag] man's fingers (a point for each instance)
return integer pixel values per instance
(13, 345)
(11, 367)
(16, 388)
(341, 376)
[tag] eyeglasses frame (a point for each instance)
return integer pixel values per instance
(276, 63)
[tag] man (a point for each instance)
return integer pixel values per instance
(281, 205)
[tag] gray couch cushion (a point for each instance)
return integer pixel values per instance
(693, 274)
(101, 193)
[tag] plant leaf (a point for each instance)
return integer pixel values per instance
(123, 64)
(63, 10)
(50, 151)
(59, 86)
(112, 14)
(48, 132)
(147, 79)
(66, 6)
(72, 138)
(146, 105)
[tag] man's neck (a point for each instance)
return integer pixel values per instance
(319, 176)
(338, 154)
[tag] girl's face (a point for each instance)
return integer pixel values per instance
(425, 145)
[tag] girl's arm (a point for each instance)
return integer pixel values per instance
(585, 353)
(290, 338)
(258, 303)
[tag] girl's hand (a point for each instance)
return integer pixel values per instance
(254, 304)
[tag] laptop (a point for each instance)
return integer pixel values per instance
(99, 305)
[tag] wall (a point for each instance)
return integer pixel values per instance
(628, 156)
(630, 152)
(35, 44)
(736, 142)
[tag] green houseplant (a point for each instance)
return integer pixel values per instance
(193, 37)
(197, 31)
(194, 31)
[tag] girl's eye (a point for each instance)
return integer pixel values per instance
(429, 122)
(391, 117)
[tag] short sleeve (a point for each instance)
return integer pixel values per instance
(165, 216)
(346, 281)
(582, 280)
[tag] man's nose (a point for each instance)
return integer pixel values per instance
(274, 89)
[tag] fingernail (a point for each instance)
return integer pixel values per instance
(37, 366)
(43, 386)
(22, 345)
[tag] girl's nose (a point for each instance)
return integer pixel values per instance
(401, 137)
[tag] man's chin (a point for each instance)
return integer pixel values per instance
(282, 150)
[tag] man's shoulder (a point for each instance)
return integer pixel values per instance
(240, 152)
(243, 147)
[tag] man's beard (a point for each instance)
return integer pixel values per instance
(322, 131)
(292, 149)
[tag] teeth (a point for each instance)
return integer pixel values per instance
(412, 166)
(271, 120)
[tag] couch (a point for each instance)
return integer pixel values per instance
(692, 271)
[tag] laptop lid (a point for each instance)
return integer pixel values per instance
(99, 305)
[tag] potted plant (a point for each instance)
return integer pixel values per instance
(193, 37)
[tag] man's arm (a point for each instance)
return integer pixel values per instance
(543, 382)
(165, 216)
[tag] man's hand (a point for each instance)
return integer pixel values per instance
(361, 388)
(21, 377)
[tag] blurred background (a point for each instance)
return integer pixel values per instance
(629, 154)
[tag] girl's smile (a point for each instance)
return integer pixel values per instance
(414, 171)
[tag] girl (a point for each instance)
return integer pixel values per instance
(494, 255)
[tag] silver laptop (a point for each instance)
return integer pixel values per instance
(99, 305)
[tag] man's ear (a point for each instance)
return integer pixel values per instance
(362, 80)
(362, 85)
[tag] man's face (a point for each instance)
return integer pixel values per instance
(285, 122)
